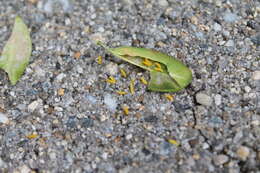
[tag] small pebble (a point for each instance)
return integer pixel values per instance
(163, 3)
(217, 99)
(129, 136)
(24, 169)
(220, 159)
(3, 118)
(230, 43)
(110, 102)
(203, 99)
(2, 163)
(243, 152)
(256, 75)
(247, 89)
(32, 106)
(111, 69)
(217, 27)
(230, 17)
(60, 77)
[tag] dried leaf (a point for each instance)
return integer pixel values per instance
(17, 51)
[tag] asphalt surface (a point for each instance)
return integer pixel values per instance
(63, 116)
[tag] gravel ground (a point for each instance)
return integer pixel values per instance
(62, 116)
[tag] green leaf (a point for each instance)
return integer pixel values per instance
(167, 73)
(17, 51)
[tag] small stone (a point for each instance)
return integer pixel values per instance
(256, 75)
(32, 106)
(230, 43)
(194, 20)
(91, 99)
(80, 70)
(230, 17)
(247, 89)
(52, 155)
(217, 27)
(220, 159)
(129, 136)
(60, 77)
(163, 3)
(217, 99)
(97, 37)
(110, 102)
(3, 118)
(203, 99)
(111, 68)
(2, 163)
(243, 152)
(24, 169)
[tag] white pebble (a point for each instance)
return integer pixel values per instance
(3, 118)
(25, 169)
(203, 99)
(111, 68)
(256, 75)
(32, 106)
(129, 136)
(110, 102)
(230, 43)
(230, 17)
(60, 77)
(247, 89)
(163, 3)
(218, 99)
(243, 152)
(79, 69)
(2, 163)
(220, 159)
(91, 99)
(217, 27)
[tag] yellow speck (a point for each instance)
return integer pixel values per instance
(158, 67)
(123, 73)
(132, 89)
(32, 136)
(142, 79)
(125, 110)
(111, 80)
(99, 59)
(169, 97)
(61, 91)
(147, 62)
(174, 142)
(121, 92)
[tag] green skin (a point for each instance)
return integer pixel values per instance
(174, 77)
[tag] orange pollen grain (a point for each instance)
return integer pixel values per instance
(123, 73)
(121, 92)
(142, 79)
(125, 110)
(169, 97)
(111, 80)
(132, 89)
(32, 136)
(99, 59)
(147, 63)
